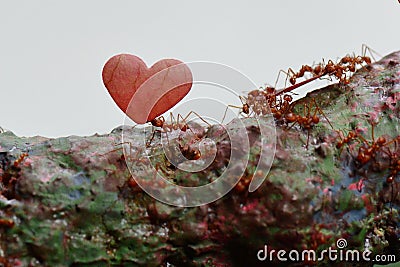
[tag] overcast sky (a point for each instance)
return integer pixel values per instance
(52, 52)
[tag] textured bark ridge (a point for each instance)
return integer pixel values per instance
(71, 201)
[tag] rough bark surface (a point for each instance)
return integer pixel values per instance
(71, 201)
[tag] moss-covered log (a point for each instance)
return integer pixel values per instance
(72, 201)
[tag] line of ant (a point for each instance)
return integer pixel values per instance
(279, 102)
(339, 70)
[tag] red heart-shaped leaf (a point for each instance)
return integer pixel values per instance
(146, 93)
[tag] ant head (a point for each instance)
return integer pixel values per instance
(367, 60)
(158, 122)
(184, 127)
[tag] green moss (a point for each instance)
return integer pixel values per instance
(348, 201)
(65, 161)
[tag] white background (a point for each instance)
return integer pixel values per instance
(52, 52)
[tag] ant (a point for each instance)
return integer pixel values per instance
(18, 161)
(10, 175)
(308, 119)
(351, 135)
(318, 71)
(293, 76)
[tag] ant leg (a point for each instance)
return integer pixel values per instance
(328, 78)
(226, 110)
(394, 140)
(365, 48)
(117, 149)
(308, 137)
(307, 110)
(198, 116)
(289, 73)
(172, 118)
(341, 144)
(166, 135)
(185, 125)
(323, 114)
(180, 119)
(124, 143)
(243, 99)
(309, 129)
(372, 133)
(291, 126)
(363, 140)
(391, 197)
(277, 78)
(297, 85)
(152, 137)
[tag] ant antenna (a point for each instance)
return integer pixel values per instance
(365, 48)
